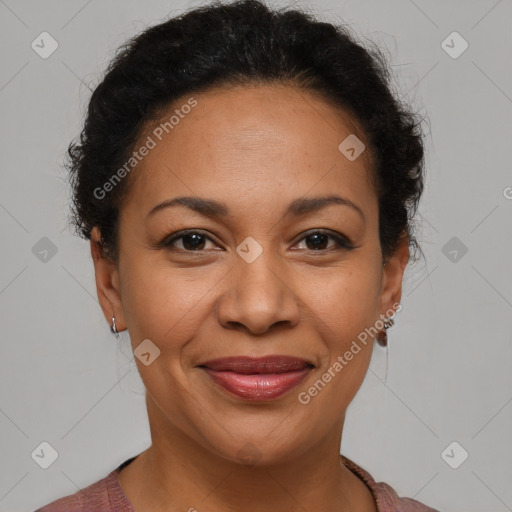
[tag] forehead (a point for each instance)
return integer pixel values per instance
(263, 144)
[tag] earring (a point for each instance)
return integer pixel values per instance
(113, 327)
(389, 322)
(382, 337)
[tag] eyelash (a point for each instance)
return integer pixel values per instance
(342, 242)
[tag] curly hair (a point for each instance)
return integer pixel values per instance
(245, 43)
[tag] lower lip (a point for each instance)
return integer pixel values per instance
(258, 386)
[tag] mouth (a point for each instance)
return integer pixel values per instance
(263, 378)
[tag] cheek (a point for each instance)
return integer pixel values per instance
(162, 303)
(345, 308)
(346, 299)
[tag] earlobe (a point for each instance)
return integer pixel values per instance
(107, 282)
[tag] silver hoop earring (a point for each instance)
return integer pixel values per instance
(113, 327)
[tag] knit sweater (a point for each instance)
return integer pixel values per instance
(107, 495)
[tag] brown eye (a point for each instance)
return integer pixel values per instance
(317, 241)
(191, 241)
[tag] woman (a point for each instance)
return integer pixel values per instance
(247, 182)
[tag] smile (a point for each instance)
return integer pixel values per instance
(253, 379)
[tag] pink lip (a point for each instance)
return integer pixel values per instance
(263, 378)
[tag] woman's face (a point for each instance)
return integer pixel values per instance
(256, 279)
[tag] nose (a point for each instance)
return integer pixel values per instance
(259, 295)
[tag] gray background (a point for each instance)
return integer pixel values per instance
(63, 380)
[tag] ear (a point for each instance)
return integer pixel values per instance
(107, 282)
(392, 275)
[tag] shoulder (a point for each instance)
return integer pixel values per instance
(385, 496)
(96, 496)
(389, 500)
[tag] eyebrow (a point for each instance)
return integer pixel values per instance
(212, 208)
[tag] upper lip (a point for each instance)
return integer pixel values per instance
(251, 365)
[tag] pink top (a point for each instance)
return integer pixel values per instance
(107, 495)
